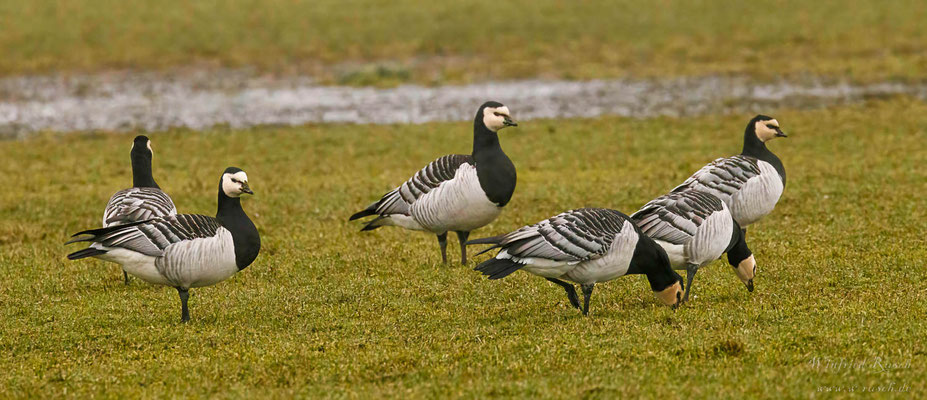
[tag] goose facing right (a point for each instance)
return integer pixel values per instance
(586, 246)
(185, 250)
(145, 199)
(696, 228)
(457, 192)
(751, 182)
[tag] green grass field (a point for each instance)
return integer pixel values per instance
(389, 42)
(327, 311)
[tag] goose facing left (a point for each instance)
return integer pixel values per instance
(186, 250)
(457, 192)
(145, 199)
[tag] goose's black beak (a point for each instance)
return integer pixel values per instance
(780, 133)
(750, 285)
(509, 122)
(246, 189)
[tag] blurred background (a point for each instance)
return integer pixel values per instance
(156, 65)
(328, 104)
(389, 42)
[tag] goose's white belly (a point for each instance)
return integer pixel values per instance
(136, 264)
(675, 252)
(600, 270)
(758, 196)
(458, 204)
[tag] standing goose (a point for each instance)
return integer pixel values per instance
(186, 250)
(144, 200)
(696, 228)
(456, 192)
(749, 183)
(586, 246)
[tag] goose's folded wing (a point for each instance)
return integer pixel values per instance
(427, 179)
(137, 204)
(152, 237)
(573, 236)
(724, 175)
(675, 217)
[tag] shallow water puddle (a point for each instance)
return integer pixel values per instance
(152, 102)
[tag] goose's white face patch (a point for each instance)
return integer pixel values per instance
(494, 117)
(746, 270)
(235, 184)
(671, 295)
(766, 130)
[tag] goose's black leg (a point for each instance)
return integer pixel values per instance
(571, 291)
(184, 311)
(125, 276)
(442, 241)
(462, 237)
(691, 269)
(587, 293)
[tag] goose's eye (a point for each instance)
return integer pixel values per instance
(498, 114)
(771, 126)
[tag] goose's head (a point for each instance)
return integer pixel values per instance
(495, 116)
(235, 182)
(741, 258)
(746, 271)
(744, 267)
(141, 147)
(765, 128)
(671, 295)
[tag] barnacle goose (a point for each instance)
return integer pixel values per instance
(456, 192)
(145, 199)
(186, 250)
(696, 228)
(749, 183)
(586, 246)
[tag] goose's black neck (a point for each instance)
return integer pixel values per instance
(651, 260)
(245, 235)
(495, 170)
(141, 169)
(754, 147)
(484, 140)
(737, 250)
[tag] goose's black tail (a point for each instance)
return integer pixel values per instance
(92, 234)
(496, 268)
(88, 252)
(488, 240)
(493, 240)
(370, 210)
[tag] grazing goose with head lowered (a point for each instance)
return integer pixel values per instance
(749, 183)
(586, 246)
(696, 228)
(186, 250)
(145, 199)
(456, 192)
